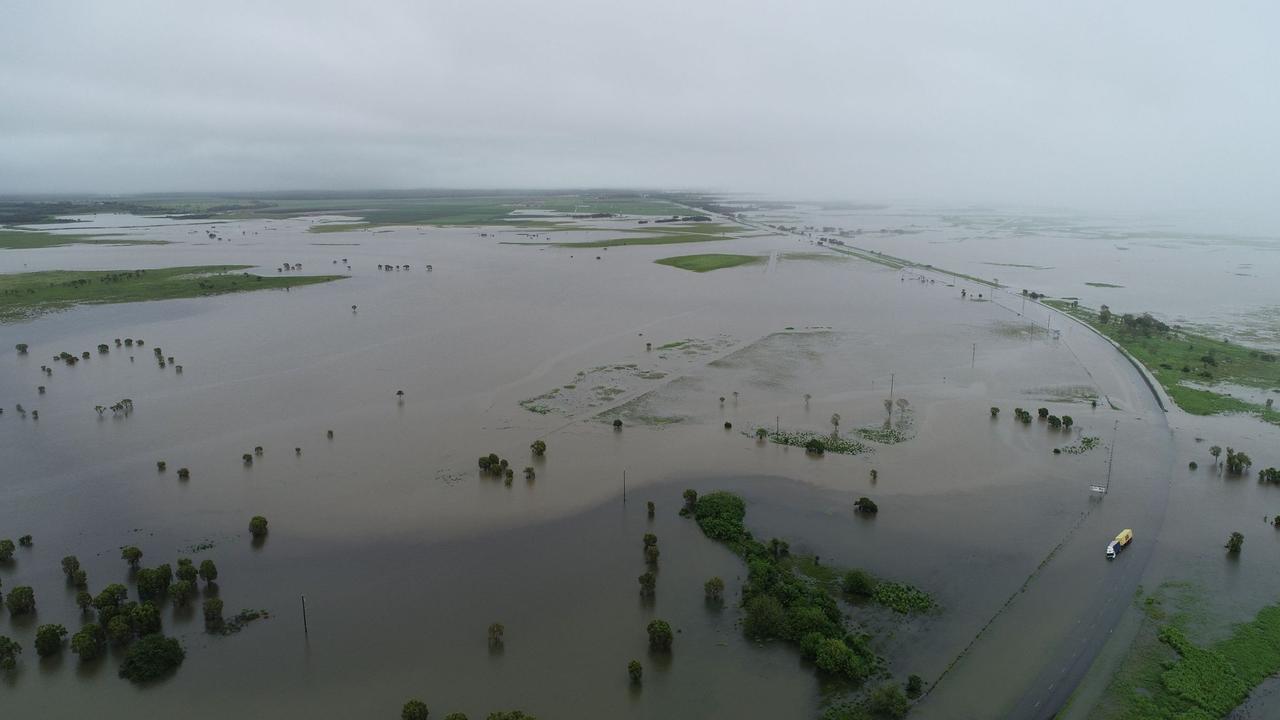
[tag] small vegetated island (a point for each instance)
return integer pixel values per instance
(709, 261)
(795, 599)
(26, 295)
(13, 239)
(1187, 364)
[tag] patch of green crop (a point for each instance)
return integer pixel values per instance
(1167, 675)
(1175, 355)
(26, 295)
(675, 238)
(31, 239)
(709, 262)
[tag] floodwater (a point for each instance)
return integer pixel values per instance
(405, 554)
(1211, 272)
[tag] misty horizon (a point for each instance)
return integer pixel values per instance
(1094, 106)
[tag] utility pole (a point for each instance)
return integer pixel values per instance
(304, 616)
(624, 487)
(777, 424)
(973, 359)
(1111, 456)
(891, 389)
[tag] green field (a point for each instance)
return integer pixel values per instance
(1175, 356)
(645, 239)
(29, 239)
(26, 295)
(1166, 675)
(516, 210)
(709, 262)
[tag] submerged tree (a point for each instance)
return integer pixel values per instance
(538, 447)
(212, 609)
(866, 505)
(496, 632)
(6, 550)
(636, 671)
(88, 642)
(49, 640)
(21, 600)
(648, 583)
(152, 657)
(258, 526)
(660, 636)
(714, 589)
(9, 652)
(1235, 542)
(651, 508)
(208, 571)
(414, 710)
(132, 555)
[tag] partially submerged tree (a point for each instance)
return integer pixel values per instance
(208, 571)
(49, 640)
(212, 609)
(636, 671)
(9, 652)
(714, 589)
(152, 657)
(1235, 542)
(258, 526)
(21, 600)
(496, 632)
(131, 554)
(660, 636)
(414, 710)
(88, 642)
(859, 583)
(648, 584)
(538, 447)
(866, 505)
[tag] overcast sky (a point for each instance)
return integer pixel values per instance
(1109, 103)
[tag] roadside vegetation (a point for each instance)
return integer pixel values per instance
(26, 295)
(1167, 675)
(1176, 357)
(709, 262)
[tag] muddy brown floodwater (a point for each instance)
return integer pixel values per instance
(405, 554)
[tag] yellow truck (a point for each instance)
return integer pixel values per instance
(1120, 543)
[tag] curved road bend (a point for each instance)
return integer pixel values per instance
(1028, 661)
(1063, 648)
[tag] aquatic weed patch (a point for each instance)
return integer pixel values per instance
(1086, 444)
(803, 438)
(902, 597)
(889, 433)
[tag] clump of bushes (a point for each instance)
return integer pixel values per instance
(902, 597)
(780, 604)
(152, 657)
